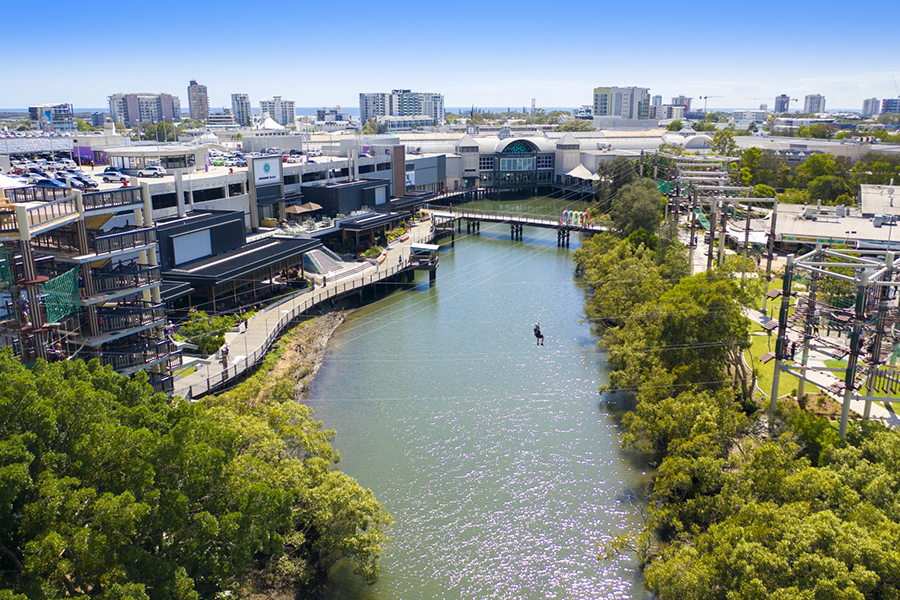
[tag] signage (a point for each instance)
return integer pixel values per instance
(267, 171)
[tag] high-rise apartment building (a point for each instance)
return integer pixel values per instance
(682, 101)
(198, 101)
(281, 111)
(52, 117)
(240, 108)
(890, 105)
(628, 103)
(401, 103)
(814, 104)
(132, 109)
(871, 107)
(656, 100)
(782, 104)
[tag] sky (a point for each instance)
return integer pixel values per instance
(487, 53)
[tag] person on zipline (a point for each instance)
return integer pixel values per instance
(538, 336)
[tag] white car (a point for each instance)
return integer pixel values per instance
(152, 172)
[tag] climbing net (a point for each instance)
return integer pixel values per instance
(61, 296)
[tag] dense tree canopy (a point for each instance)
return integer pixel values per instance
(110, 491)
(638, 205)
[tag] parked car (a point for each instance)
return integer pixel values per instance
(69, 181)
(87, 181)
(46, 182)
(152, 172)
(114, 177)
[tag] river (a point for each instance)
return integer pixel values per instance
(496, 457)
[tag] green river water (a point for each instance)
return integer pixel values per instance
(497, 458)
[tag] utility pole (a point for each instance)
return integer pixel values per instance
(780, 340)
(853, 358)
(875, 354)
(770, 247)
(722, 231)
(712, 234)
(809, 321)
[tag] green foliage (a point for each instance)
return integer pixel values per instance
(638, 205)
(208, 333)
(613, 175)
(110, 491)
(576, 125)
(723, 143)
(675, 125)
(762, 190)
(373, 251)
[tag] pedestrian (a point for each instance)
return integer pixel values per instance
(793, 351)
(815, 321)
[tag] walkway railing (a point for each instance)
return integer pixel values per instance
(535, 219)
(305, 301)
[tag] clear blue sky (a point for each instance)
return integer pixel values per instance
(486, 53)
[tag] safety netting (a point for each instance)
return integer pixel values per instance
(61, 296)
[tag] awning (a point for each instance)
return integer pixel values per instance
(581, 172)
(302, 208)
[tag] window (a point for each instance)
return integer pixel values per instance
(486, 163)
(289, 179)
(525, 163)
(235, 189)
(468, 149)
(544, 162)
(164, 200)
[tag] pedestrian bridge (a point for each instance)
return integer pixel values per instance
(444, 214)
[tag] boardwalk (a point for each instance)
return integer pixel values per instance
(512, 218)
(248, 347)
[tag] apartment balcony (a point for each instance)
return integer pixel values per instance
(101, 244)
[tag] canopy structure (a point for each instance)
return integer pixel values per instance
(581, 172)
(302, 208)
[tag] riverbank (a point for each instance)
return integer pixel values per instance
(289, 368)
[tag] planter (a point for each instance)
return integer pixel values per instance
(404, 237)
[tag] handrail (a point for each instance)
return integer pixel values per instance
(111, 198)
(535, 219)
(124, 240)
(126, 278)
(215, 379)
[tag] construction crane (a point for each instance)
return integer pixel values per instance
(705, 98)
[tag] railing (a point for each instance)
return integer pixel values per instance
(215, 380)
(111, 198)
(38, 194)
(165, 385)
(503, 216)
(122, 279)
(8, 221)
(38, 215)
(124, 240)
(126, 317)
(127, 358)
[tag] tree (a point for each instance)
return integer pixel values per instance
(576, 125)
(828, 188)
(723, 143)
(112, 491)
(638, 205)
(763, 191)
(820, 130)
(82, 125)
(613, 175)
(675, 125)
(817, 165)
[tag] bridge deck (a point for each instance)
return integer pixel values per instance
(534, 220)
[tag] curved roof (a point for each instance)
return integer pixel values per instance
(694, 142)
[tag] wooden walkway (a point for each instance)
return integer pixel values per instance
(248, 347)
(512, 218)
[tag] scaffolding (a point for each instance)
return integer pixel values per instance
(848, 312)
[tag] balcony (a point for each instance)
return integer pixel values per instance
(117, 280)
(162, 384)
(40, 217)
(136, 357)
(112, 199)
(134, 315)
(125, 238)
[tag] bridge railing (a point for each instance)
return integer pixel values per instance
(507, 216)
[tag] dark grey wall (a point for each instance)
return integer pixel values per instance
(226, 233)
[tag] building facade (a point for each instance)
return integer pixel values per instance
(656, 100)
(198, 101)
(628, 103)
(682, 101)
(282, 111)
(890, 105)
(52, 117)
(782, 104)
(871, 107)
(667, 111)
(132, 109)
(240, 108)
(814, 104)
(401, 103)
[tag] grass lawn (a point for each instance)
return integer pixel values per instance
(765, 372)
(185, 371)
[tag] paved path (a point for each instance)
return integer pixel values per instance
(248, 347)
